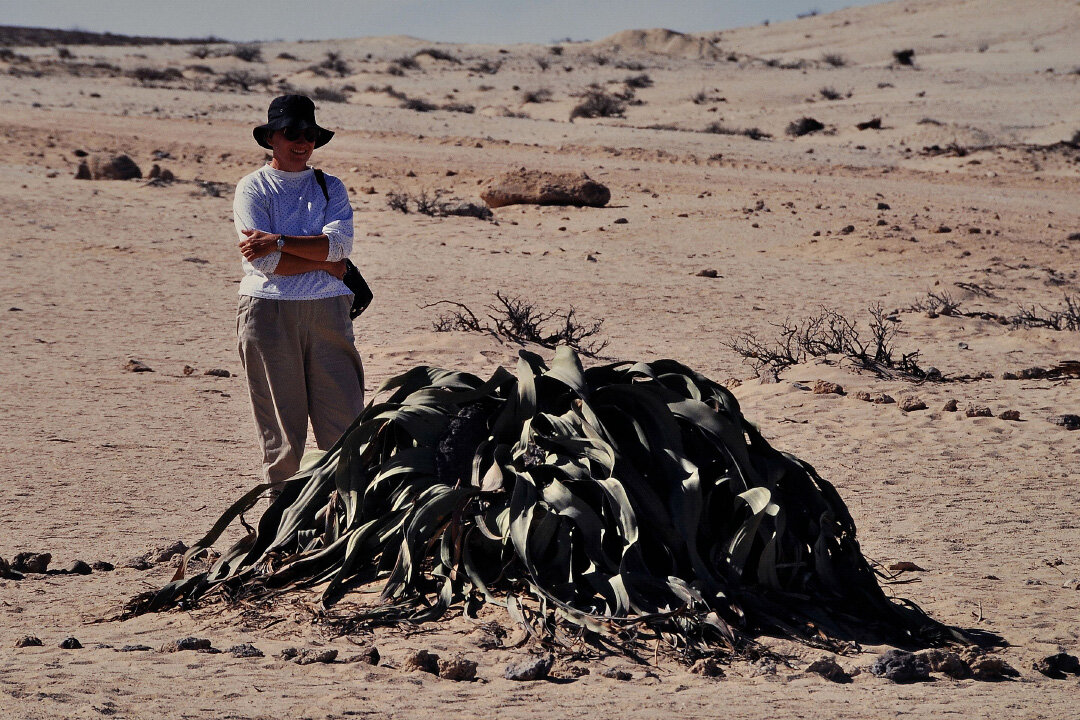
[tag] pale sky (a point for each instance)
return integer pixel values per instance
(479, 21)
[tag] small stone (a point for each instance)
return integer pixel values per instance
(911, 403)
(28, 641)
(78, 568)
(1056, 666)
(188, 643)
(708, 273)
(137, 563)
(28, 562)
(134, 365)
(943, 229)
(310, 656)
(828, 668)
(369, 190)
(1013, 415)
(458, 669)
(70, 643)
(620, 221)
(905, 566)
(369, 656)
(822, 387)
(991, 667)
(901, 667)
(707, 667)
(134, 648)
(950, 405)
(421, 660)
(1069, 422)
(528, 670)
(616, 674)
(167, 175)
(245, 650)
(1071, 584)
(978, 411)
(947, 663)
(883, 206)
(847, 229)
(166, 553)
(218, 372)
(1008, 375)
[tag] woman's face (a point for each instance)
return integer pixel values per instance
(292, 155)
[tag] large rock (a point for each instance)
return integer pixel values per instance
(108, 167)
(535, 187)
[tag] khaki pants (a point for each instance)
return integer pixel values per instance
(301, 363)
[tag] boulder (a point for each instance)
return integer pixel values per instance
(108, 167)
(458, 668)
(29, 562)
(528, 670)
(901, 666)
(535, 187)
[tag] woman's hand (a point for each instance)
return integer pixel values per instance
(337, 269)
(257, 244)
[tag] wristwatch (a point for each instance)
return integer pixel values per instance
(280, 242)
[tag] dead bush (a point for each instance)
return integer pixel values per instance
(405, 62)
(830, 333)
(904, 57)
(200, 52)
(834, 60)
(333, 62)
(803, 126)
(540, 95)
(520, 321)
(936, 304)
(437, 54)
(597, 103)
(418, 105)
(248, 52)
(243, 79)
(638, 81)
(830, 93)
(753, 133)
(329, 94)
(149, 74)
(486, 67)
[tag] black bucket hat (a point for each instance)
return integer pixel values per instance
(295, 111)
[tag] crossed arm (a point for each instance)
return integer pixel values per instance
(300, 254)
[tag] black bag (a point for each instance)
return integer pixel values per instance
(362, 295)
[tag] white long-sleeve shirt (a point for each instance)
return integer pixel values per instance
(292, 203)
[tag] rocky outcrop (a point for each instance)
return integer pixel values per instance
(534, 187)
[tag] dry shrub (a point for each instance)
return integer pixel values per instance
(904, 57)
(834, 59)
(803, 126)
(329, 94)
(597, 103)
(520, 321)
(248, 52)
(752, 133)
(149, 74)
(830, 333)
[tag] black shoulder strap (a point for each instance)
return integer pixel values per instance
(321, 179)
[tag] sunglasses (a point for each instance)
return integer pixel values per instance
(293, 134)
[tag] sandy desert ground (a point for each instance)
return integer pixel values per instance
(977, 137)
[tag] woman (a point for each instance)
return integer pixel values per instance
(293, 329)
